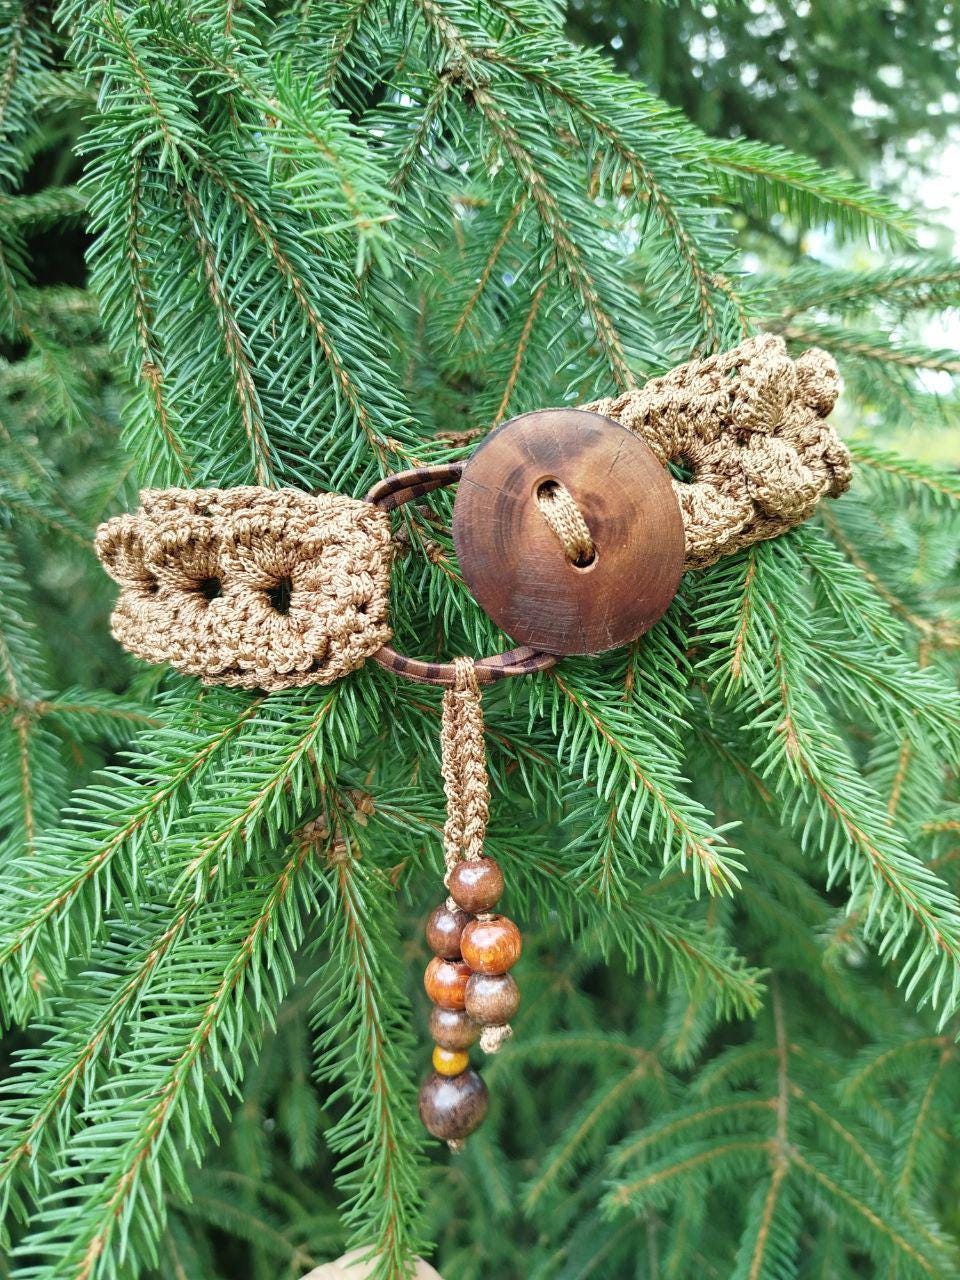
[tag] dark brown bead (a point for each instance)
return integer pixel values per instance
(476, 884)
(491, 946)
(446, 982)
(453, 1106)
(492, 998)
(444, 929)
(451, 1028)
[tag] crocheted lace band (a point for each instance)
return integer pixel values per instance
(275, 588)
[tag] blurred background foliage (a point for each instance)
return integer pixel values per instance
(852, 85)
(866, 89)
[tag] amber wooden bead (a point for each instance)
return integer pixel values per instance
(446, 982)
(444, 929)
(476, 884)
(492, 998)
(452, 1029)
(453, 1106)
(491, 946)
(449, 1062)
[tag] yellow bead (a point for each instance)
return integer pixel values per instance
(448, 1062)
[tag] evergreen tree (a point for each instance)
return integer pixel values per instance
(326, 242)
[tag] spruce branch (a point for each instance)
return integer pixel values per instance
(888, 471)
(773, 179)
(801, 746)
(906, 287)
(870, 348)
(97, 1226)
(599, 737)
(305, 223)
(530, 173)
(238, 355)
(939, 633)
(364, 1045)
(31, 775)
(105, 830)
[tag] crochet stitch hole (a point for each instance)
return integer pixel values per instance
(279, 595)
(681, 468)
(209, 588)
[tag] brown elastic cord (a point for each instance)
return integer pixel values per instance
(463, 764)
(515, 662)
(393, 492)
(565, 518)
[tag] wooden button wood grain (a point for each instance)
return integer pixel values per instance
(512, 560)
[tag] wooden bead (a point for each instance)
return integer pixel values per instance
(491, 946)
(492, 998)
(452, 1029)
(449, 1062)
(515, 565)
(445, 982)
(453, 1106)
(444, 929)
(476, 884)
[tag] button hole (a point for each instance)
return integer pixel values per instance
(561, 512)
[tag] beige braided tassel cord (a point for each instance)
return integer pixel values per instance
(463, 765)
(468, 979)
(749, 425)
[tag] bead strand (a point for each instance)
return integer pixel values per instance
(473, 995)
(470, 944)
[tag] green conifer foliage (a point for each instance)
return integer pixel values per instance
(327, 241)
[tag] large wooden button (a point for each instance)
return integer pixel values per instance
(514, 562)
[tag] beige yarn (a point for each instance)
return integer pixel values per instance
(565, 518)
(463, 764)
(749, 423)
(204, 575)
(358, 1265)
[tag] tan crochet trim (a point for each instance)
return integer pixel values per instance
(261, 588)
(749, 425)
